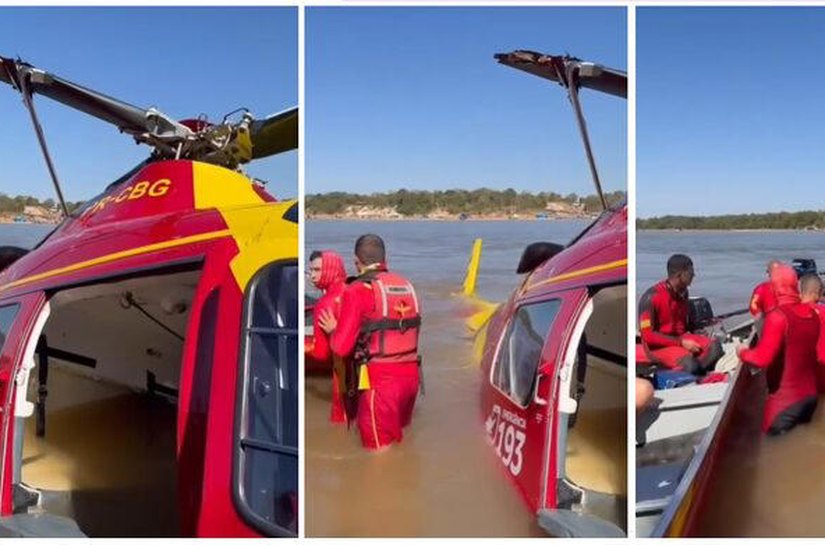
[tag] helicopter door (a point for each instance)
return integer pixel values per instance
(17, 317)
(521, 413)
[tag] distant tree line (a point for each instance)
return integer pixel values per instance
(808, 219)
(16, 205)
(453, 201)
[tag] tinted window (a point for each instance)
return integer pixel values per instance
(267, 462)
(7, 315)
(520, 351)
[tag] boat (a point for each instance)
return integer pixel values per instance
(682, 434)
(149, 344)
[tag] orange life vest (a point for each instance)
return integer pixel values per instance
(390, 333)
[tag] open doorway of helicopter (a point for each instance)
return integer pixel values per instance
(99, 444)
(593, 461)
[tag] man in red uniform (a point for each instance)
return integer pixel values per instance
(378, 328)
(788, 350)
(663, 323)
(327, 273)
(811, 288)
(762, 298)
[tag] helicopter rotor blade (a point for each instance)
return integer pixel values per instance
(126, 117)
(275, 134)
(555, 67)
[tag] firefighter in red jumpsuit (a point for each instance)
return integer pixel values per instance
(811, 289)
(327, 273)
(762, 298)
(788, 350)
(663, 323)
(378, 328)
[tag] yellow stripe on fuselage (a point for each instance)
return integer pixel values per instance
(575, 274)
(108, 258)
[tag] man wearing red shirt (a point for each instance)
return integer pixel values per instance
(787, 349)
(663, 323)
(327, 273)
(762, 298)
(811, 288)
(378, 331)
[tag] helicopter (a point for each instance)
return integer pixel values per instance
(149, 343)
(554, 355)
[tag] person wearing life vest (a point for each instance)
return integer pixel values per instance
(663, 323)
(810, 292)
(787, 350)
(378, 331)
(327, 273)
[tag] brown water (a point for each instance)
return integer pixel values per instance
(443, 479)
(769, 486)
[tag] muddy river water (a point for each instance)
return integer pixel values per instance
(443, 479)
(765, 486)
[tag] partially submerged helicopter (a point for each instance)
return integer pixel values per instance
(149, 344)
(554, 355)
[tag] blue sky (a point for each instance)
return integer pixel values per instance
(730, 110)
(412, 97)
(184, 61)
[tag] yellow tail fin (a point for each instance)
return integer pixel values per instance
(484, 309)
(472, 269)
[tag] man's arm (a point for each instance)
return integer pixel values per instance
(648, 323)
(349, 322)
(769, 345)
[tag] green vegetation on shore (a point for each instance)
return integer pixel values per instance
(808, 219)
(453, 201)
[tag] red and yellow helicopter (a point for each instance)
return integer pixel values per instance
(554, 355)
(149, 344)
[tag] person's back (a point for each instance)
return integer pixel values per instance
(378, 330)
(788, 349)
(762, 299)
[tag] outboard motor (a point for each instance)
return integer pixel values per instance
(700, 313)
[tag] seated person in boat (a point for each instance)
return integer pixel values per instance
(663, 323)
(327, 273)
(787, 349)
(810, 290)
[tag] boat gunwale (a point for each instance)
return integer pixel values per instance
(687, 480)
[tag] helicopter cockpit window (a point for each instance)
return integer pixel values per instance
(266, 458)
(520, 351)
(7, 315)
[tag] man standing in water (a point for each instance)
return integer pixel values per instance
(378, 331)
(811, 288)
(327, 273)
(788, 350)
(762, 298)
(663, 323)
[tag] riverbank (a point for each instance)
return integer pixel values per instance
(32, 214)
